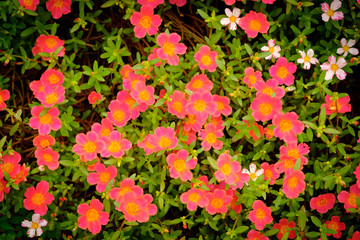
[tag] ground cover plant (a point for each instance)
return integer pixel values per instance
(156, 119)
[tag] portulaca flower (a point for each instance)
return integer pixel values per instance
(232, 19)
(34, 225)
(275, 50)
(334, 67)
(307, 58)
(347, 47)
(253, 173)
(329, 12)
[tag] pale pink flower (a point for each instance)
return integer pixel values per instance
(334, 67)
(346, 47)
(307, 59)
(34, 225)
(329, 12)
(274, 50)
(253, 173)
(232, 18)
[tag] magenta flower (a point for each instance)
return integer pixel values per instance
(163, 138)
(199, 83)
(170, 47)
(93, 216)
(4, 96)
(88, 145)
(201, 104)
(287, 126)
(38, 198)
(177, 104)
(260, 215)
(293, 183)
(283, 71)
(210, 136)
(254, 23)
(218, 202)
(119, 114)
(227, 169)
(47, 122)
(194, 198)
(323, 202)
(145, 21)
(102, 176)
(47, 157)
(143, 94)
(265, 107)
(269, 88)
(179, 166)
(206, 58)
(58, 7)
(115, 145)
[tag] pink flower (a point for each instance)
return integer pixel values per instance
(307, 58)
(152, 3)
(191, 135)
(255, 235)
(218, 202)
(227, 169)
(283, 71)
(210, 137)
(336, 225)
(47, 122)
(330, 12)
(356, 235)
(260, 215)
(223, 106)
(206, 58)
(3, 189)
(104, 129)
(147, 146)
(333, 105)
(48, 44)
(254, 23)
(88, 145)
(58, 7)
(115, 145)
(232, 18)
(294, 151)
(287, 126)
(38, 198)
(102, 176)
(179, 3)
(269, 172)
(284, 225)
(119, 113)
(47, 157)
(293, 183)
(265, 107)
(154, 55)
(334, 67)
(201, 105)
(357, 175)
(349, 199)
(4, 96)
(93, 216)
(180, 166)
(193, 122)
(143, 94)
(126, 185)
(124, 96)
(194, 198)
(323, 202)
(170, 47)
(253, 173)
(268, 1)
(137, 208)
(22, 174)
(252, 77)
(52, 77)
(51, 96)
(10, 164)
(274, 50)
(145, 21)
(163, 138)
(132, 79)
(199, 83)
(29, 4)
(34, 225)
(346, 47)
(94, 97)
(269, 88)
(177, 104)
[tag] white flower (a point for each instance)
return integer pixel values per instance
(334, 67)
(330, 12)
(307, 59)
(232, 19)
(253, 173)
(35, 225)
(271, 48)
(347, 47)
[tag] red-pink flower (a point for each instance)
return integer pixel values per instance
(294, 183)
(201, 105)
(47, 122)
(115, 145)
(93, 216)
(104, 129)
(194, 198)
(47, 157)
(38, 198)
(177, 104)
(145, 21)
(252, 77)
(124, 96)
(29, 4)
(58, 7)
(4, 96)
(269, 88)
(210, 136)
(356, 235)
(21, 176)
(269, 173)
(357, 175)
(143, 93)
(283, 71)
(119, 114)
(264, 107)
(126, 185)
(336, 225)
(341, 105)
(88, 145)
(254, 23)
(51, 96)
(152, 3)
(154, 55)
(193, 122)
(284, 226)
(218, 202)
(260, 215)
(102, 176)
(223, 106)
(52, 77)
(48, 44)
(147, 146)
(199, 83)
(180, 166)
(191, 135)
(227, 169)
(323, 202)
(287, 126)
(179, 3)
(94, 97)
(3, 189)
(206, 58)
(255, 235)
(349, 199)
(10, 164)
(132, 79)
(163, 138)
(294, 151)
(170, 47)
(137, 208)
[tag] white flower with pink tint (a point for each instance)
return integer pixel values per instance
(34, 225)
(232, 19)
(329, 11)
(346, 47)
(334, 67)
(274, 50)
(253, 173)
(307, 58)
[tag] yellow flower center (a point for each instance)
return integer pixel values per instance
(211, 138)
(104, 177)
(169, 48)
(7, 167)
(133, 83)
(232, 19)
(92, 215)
(119, 115)
(130, 101)
(28, 2)
(294, 153)
(51, 99)
(124, 190)
(220, 106)
(192, 119)
(44, 143)
(50, 42)
(346, 48)
(144, 95)
(288, 163)
(260, 214)
(177, 106)
(252, 79)
(149, 145)
(252, 176)
(322, 202)
(194, 197)
(265, 108)
(217, 203)
(271, 49)
(38, 199)
(114, 147)
(330, 12)
(179, 165)
(285, 125)
(53, 79)
(47, 157)
(335, 106)
(268, 91)
(200, 105)
(268, 173)
(306, 59)
(35, 225)
(334, 67)
(59, 3)
(105, 132)
(145, 21)
(226, 169)
(333, 225)
(89, 147)
(206, 60)
(293, 182)
(352, 199)
(46, 119)
(282, 72)
(164, 142)
(255, 25)
(132, 208)
(198, 84)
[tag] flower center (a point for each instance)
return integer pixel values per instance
(217, 203)
(293, 182)
(51, 99)
(268, 91)
(119, 115)
(253, 176)
(53, 79)
(211, 138)
(346, 48)
(334, 67)
(352, 199)
(7, 167)
(322, 202)
(307, 59)
(198, 84)
(148, 145)
(232, 19)
(169, 48)
(28, 2)
(130, 101)
(265, 108)
(90, 147)
(252, 79)
(260, 214)
(285, 125)
(177, 106)
(255, 25)
(133, 83)
(44, 143)
(124, 190)
(46, 119)
(144, 95)
(226, 169)
(333, 225)
(288, 163)
(294, 153)
(145, 21)
(268, 173)
(206, 60)
(47, 157)
(271, 49)
(35, 225)
(59, 3)
(164, 142)
(335, 106)
(132, 208)
(192, 119)
(38, 198)
(104, 177)
(282, 72)
(92, 215)
(200, 105)
(114, 147)
(179, 165)
(330, 13)
(194, 197)
(283, 229)
(220, 106)
(105, 132)
(50, 42)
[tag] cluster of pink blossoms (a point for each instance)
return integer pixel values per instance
(56, 7)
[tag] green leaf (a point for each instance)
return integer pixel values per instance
(108, 4)
(241, 229)
(312, 234)
(203, 14)
(2, 142)
(14, 129)
(297, 164)
(316, 221)
(248, 49)
(293, 2)
(212, 163)
(322, 117)
(310, 124)
(331, 131)
(67, 163)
